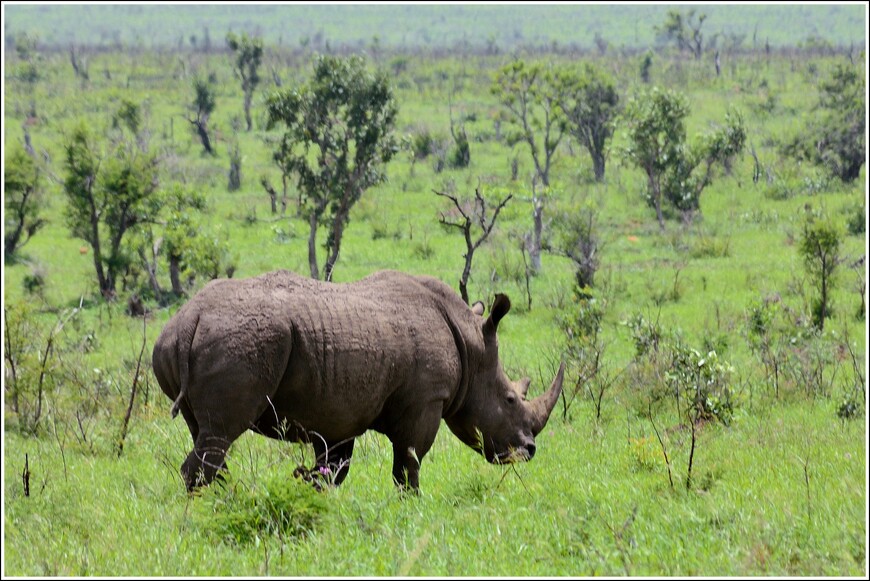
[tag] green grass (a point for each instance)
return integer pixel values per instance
(587, 505)
(782, 491)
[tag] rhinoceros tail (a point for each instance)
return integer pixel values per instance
(183, 343)
(175, 408)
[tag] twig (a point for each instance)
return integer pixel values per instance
(662, 444)
(25, 476)
(691, 456)
(126, 423)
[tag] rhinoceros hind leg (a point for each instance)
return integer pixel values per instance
(205, 461)
(332, 463)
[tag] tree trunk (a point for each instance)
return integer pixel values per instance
(202, 130)
(235, 178)
(175, 275)
(28, 146)
(273, 195)
(655, 189)
(107, 286)
(823, 308)
(598, 165)
(337, 233)
(151, 269)
(248, 97)
(466, 274)
(312, 246)
(11, 239)
(535, 242)
(284, 198)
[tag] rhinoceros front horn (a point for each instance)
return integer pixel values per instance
(543, 404)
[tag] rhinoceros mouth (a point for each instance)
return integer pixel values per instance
(512, 456)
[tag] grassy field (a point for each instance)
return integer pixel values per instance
(781, 490)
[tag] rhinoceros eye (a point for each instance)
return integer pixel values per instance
(511, 399)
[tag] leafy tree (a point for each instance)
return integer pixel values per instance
(684, 29)
(645, 66)
(338, 138)
(657, 145)
(249, 53)
(23, 200)
(820, 249)
(590, 104)
(179, 239)
(687, 177)
(203, 106)
(580, 241)
(837, 138)
(28, 70)
(108, 196)
(657, 134)
(130, 114)
(531, 94)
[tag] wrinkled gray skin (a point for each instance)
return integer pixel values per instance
(303, 360)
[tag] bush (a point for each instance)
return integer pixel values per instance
(34, 283)
(29, 355)
(460, 155)
(820, 248)
(646, 335)
(703, 382)
(836, 137)
(424, 144)
(856, 219)
(241, 513)
(710, 247)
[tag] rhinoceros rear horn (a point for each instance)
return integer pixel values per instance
(500, 307)
(543, 404)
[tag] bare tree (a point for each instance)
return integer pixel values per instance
(684, 29)
(79, 63)
(477, 214)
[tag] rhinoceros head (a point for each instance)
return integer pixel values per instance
(496, 419)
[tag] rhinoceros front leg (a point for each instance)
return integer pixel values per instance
(410, 443)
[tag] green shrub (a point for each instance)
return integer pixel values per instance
(424, 144)
(703, 383)
(646, 335)
(34, 282)
(856, 219)
(710, 247)
(240, 513)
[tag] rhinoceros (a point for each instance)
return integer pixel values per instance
(298, 359)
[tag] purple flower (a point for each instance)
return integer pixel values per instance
(325, 470)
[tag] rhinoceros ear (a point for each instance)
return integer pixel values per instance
(477, 308)
(500, 307)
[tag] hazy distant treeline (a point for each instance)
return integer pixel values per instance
(492, 27)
